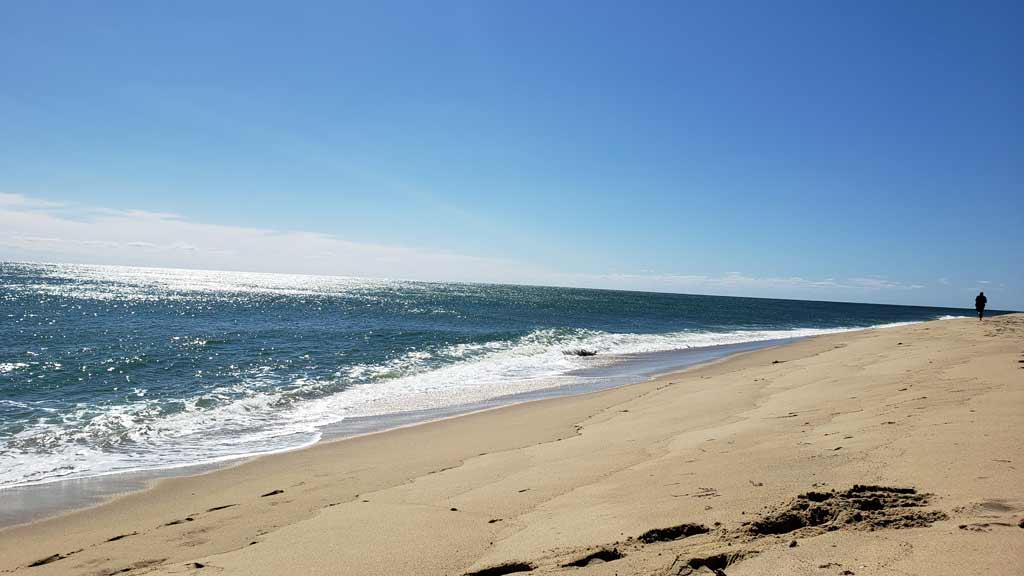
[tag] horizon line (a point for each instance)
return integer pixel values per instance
(485, 283)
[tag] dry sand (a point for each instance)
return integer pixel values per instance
(693, 472)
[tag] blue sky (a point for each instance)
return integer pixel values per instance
(854, 151)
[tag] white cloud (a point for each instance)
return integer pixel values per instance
(877, 283)
(39, 230)
(22, 201)
(736, 283)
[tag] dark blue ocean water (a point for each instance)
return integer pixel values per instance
(106, 369)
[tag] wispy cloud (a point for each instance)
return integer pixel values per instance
(42, 230)
(34, 229)
(879, 283)
(22, 201)
(735, 283)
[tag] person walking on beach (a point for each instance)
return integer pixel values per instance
(979, 304)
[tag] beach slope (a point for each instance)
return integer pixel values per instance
(887, 451)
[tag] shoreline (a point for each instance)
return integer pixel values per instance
(30, 503)
(930, 406)
(612, 369)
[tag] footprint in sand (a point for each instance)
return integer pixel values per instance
(53, 558)
(138, 566)
(600, 557)
(502, 569)
(672, 533)
(714, 564)
(984, 526)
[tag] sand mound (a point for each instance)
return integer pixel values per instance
(860, 507)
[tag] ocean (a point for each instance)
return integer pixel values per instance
(108, 369)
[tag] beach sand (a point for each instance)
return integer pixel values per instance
(719, 454)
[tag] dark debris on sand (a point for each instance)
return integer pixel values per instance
(580, 352)
(860, 507)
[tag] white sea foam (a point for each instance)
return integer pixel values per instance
(11, 366)
(260, 417)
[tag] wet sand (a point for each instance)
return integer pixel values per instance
(889, 451)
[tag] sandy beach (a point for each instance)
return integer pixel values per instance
(888, 451)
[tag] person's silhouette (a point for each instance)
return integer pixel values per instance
(979, 304)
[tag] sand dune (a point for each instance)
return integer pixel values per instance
(891, 451)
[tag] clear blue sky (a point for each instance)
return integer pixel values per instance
(829, 150)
